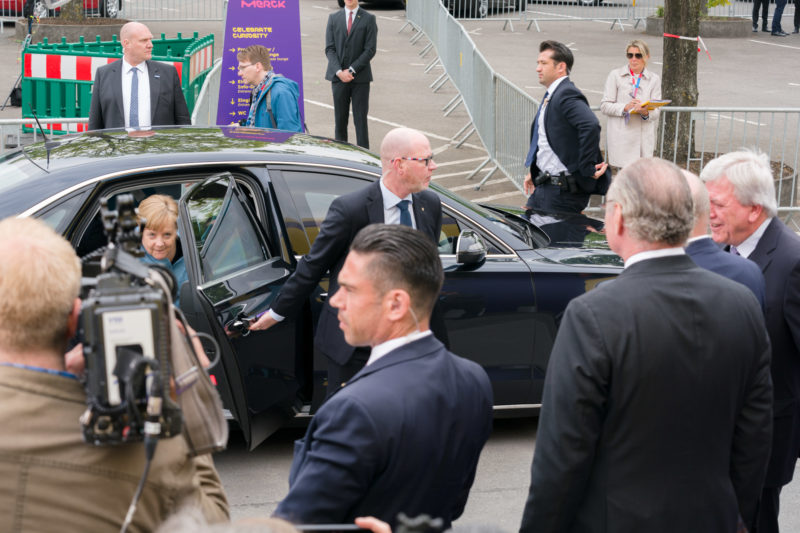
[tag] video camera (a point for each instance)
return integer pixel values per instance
(126, 335)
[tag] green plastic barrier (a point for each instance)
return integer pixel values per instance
(57, 78)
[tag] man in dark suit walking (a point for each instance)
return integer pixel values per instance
(707, 254)
(744, 216)
(400, 197)
(564, 160)
(136, 92)
(405, 434)
(656, 412)
(351, 39)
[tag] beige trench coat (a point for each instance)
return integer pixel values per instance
(628, 142)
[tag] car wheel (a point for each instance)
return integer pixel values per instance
(111, 9)
(40, 9)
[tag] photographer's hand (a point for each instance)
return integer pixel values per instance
(373, 524)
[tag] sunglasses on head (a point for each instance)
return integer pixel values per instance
(630, 55)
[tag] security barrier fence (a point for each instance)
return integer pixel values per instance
(205, 109)
(11, 10)
(531, 12)
(141, 10)
(501, 113)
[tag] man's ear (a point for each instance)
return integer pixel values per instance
(755, 213)
(397, 302)
(72, 321)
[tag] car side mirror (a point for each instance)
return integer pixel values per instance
(470, 248)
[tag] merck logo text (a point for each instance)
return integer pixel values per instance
(264, 3)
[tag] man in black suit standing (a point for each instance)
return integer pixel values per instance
(744, 216)
(400, 197)
(351, 40)
(707, 254)
(136, 92)
(405, 434)
(564, 160)
(656, 412)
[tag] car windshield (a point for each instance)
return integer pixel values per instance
(14, 169)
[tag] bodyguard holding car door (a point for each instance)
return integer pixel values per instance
(400, 197)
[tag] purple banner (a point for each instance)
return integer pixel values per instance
(274, 24)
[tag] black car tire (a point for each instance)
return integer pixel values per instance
(110, 8)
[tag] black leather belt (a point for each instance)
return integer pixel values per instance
(552, 179)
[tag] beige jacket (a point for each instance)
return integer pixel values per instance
(628, 142)
(50, 480)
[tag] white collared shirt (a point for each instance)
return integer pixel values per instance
(653, 254)
(391, 213)
(546, 158)
(747, 246)
(347, 15)
(144, 93)
(690, 240)
(393, 344)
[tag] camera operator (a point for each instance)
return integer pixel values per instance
(49, 478)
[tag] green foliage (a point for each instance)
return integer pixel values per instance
(660, 11)
(716, 3)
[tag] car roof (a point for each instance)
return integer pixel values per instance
(48, 168)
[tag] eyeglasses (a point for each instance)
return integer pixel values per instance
(426, 160)
(243, 67)
(638, 55)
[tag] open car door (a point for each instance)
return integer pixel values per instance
(235, 272)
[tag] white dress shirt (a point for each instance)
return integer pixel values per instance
(652, 254)
(144, 94)
(546, 158)
(391, 213)
(393, 344)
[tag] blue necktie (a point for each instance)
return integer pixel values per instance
(134, 118)
(405, 216)
(535, 137)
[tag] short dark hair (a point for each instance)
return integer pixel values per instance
(404, 258)
(561, 54)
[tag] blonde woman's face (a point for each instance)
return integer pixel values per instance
(636, 59)
(161, 243)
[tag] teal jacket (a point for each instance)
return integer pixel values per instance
(177, 268)
(281, 109)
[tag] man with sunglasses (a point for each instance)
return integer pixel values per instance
(399, 197)
(564, 160)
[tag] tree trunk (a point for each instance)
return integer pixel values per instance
(679, 77)
(72, 11)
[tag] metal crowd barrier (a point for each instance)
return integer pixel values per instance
(205, 110)
(12, 135)
(161, 10)
(501, 113)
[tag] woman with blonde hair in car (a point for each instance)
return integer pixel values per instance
(159, 214)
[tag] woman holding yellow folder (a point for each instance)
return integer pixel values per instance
(631, 129)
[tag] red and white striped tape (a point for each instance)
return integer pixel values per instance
(78, 68)
(698, 39)
(200, 61)
(63, 127)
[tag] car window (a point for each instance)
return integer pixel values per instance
(225, 234)
(451, 228)
(59, 215)
(313, 193)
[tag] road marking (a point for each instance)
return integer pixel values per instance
(396, 125)
(450, 175)
(451, 163)
(382, 50)
(496, 197)
(394, 19)
(750, 122)
(775, 44)
(591, 91)
(326, 8)
(472, 185)
(794, 84)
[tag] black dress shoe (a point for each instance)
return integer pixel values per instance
(780, 34)
(755, 28)
(796, 30)
(765, 30)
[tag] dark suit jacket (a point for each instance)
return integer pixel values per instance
(346, 216)
(573, 133)
(354, 50)
(167, 104)
(403, 435)
(656, 414)
(778, 255)
(707, 254)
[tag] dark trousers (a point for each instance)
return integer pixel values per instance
(768, 507)
(764, 4)
(796, 14)
(340, 374)
(358, 94)
(776, 15)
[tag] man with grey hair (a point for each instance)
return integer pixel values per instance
(656, 407)
(703, 251)
(49, 478)
(743, 215)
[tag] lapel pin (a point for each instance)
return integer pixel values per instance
(156, 75)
